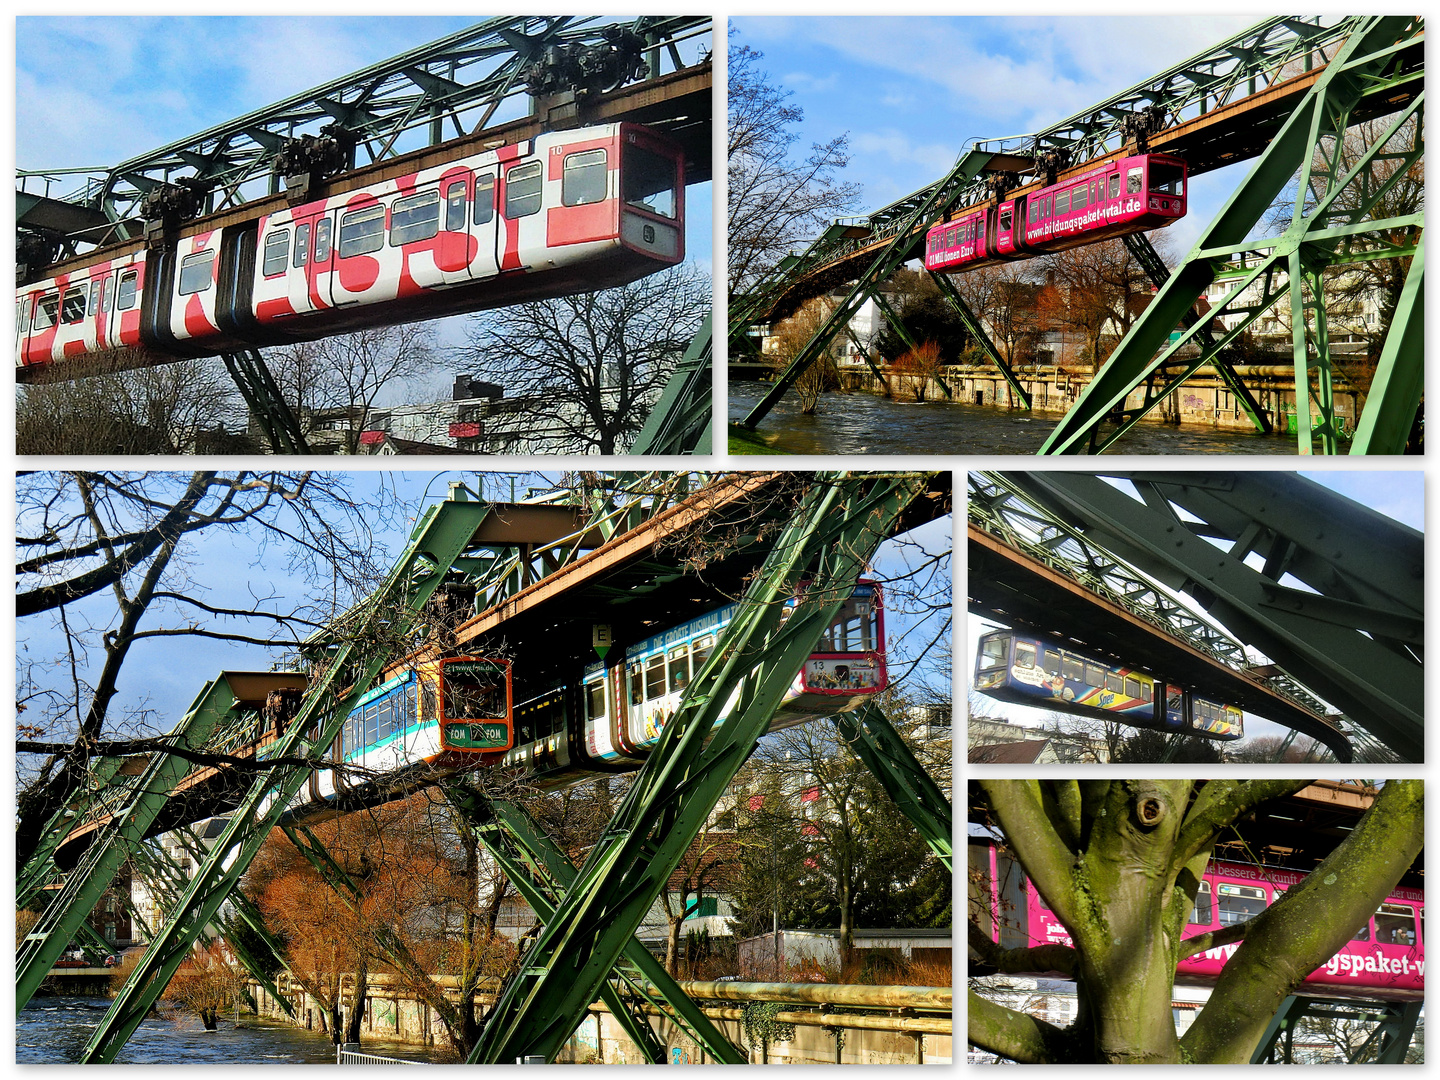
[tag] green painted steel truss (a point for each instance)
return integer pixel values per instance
(842, 518)
(1352, 630)
(1392, 1023)
(679, 423)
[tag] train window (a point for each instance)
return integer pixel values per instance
(995, 650)
(595, 699)
(1114, 682)
(1132, 687)
(522, 190)
(129, 286)
(1074, 668)
(362, 231)
(427, 701)
(1363, 934)
(700, 652)
(277, 251)
(650, 182)
(1050, 661)
(73, 309)
(484, 199)
(107, 293)
(655, 677)
(94, 305)
(476, 690)
(1024, 654)
(22, 314)
(197, 272)
(679, 669)
(46, 311)
(636, 675)
(1395, 925)
(583, 178)
(302, 245)
(1173, 697)
(1077, 198)
(455, 208)
(1133, 181)
(952, 238)
(1239, 903)
(1062, 202)
(1094, 675)
(414, 219)
(1203, 913)
(1115, 185)
(1146, 692)
(322, 239)
(372, 724)
(1007, 218)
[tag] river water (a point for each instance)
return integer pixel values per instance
(861, 423)
(53, 1030)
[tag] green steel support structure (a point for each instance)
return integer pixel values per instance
(680, 421)
(979, 336)
(876, 743)
(1326, 230)
(262, 396)
(1386, 1044)
(542, 873)
(1352, 630)
(110, 849)
(841, 521)
(902, 331)
(40, 870)
(1399, 383)
(372, 632)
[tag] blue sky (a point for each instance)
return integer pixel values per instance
(229, 570)
(1397, 495)
(914, 92)
(97, 91)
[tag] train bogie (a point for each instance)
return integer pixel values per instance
(565, 212)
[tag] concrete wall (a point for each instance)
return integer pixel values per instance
(601, 1040)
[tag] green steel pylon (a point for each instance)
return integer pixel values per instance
(541, 873)
(1325, 231)
(680, 421)
(833, 533)
(440, 537)
(1388, 1040)
(40, 868)
(869, 734)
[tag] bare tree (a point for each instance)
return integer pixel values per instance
(589, 367)
(186, 407)
(775, 200)
(1097, 291)
(349, 372)
(788, 337)
(1004, 298)
(81, 535)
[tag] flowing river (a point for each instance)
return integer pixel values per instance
(861, 423)
(54, 1030)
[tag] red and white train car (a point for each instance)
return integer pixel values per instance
(1129, 194)
(562, 213)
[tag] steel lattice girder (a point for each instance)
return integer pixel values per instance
(109, 851)
(440, 536)
(1248, 63)
(679, 422)
(1365, 61)
(1394, 1026)
(835, 530)
(40, 870)
(472, 71)
(1356, 640)
(542, 873)
(267, 405)
(876, 743)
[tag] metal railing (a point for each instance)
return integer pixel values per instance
(349, 1054)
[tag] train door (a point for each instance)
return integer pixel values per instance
(484, 225)
(193, 307)
(310, 260)
(1176, 716)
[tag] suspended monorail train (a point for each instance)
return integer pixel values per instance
(1127, 195)
(455, 714)
(561, 213)
(1385, 958)
(1029, 670)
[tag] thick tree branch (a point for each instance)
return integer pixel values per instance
(1026, 1039)
(1213, 939)
(1061, 958)
(1019, 807)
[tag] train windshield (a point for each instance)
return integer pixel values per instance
(994, 651)
(1167, 178)
(856, 626)
(651, 181)
(476, 690)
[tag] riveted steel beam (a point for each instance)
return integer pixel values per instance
(1293, 527)
(869, 734)
(833, 532)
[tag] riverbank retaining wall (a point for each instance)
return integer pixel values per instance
(1204, 399)
(601, 1040)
